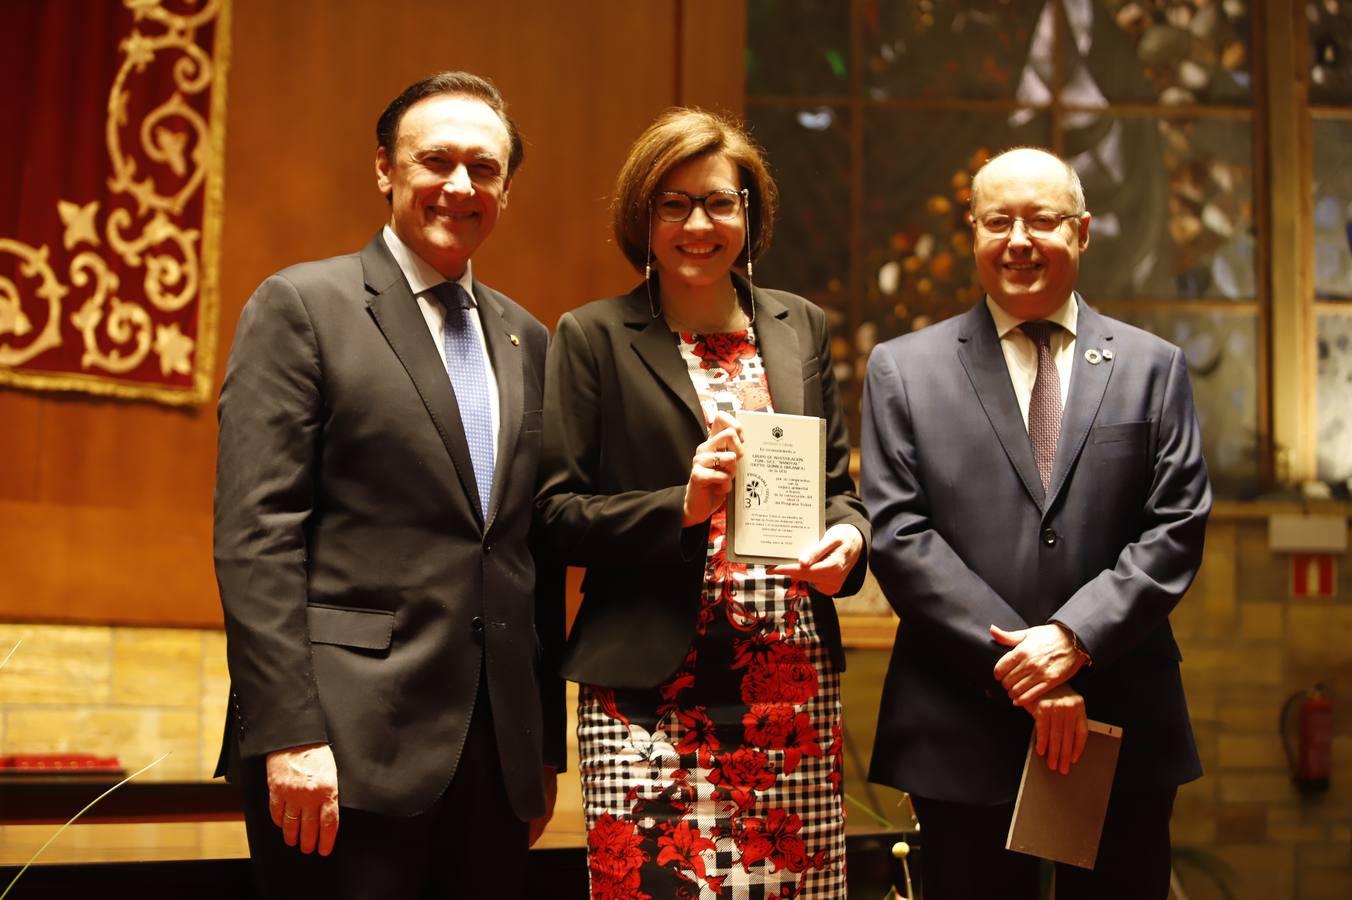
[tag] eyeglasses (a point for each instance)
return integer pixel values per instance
(723, 205)
(1041, 225)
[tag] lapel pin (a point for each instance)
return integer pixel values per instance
(1108, 355)
(1093, 357)
(516, 341)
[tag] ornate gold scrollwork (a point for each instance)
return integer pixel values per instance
(163, 271)
(123, 323)
(12, 319)
(173, 146)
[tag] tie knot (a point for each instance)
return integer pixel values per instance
(1040, 332)
(451, 295)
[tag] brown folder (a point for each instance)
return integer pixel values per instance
(1060, 817)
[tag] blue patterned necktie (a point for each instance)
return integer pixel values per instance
(1044, 406)
(468, 368)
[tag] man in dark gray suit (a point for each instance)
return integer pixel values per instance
(1034, 474)
(379, 435)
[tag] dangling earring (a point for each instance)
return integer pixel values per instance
(746, 213)
(648, 266)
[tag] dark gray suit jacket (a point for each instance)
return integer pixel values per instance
(363, 593)
(963, 537)
(621, 425)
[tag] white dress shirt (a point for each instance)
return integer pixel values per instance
(1021, 353)
(421, 279)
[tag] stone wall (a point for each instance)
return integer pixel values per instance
(133, 693)
(1247, 646)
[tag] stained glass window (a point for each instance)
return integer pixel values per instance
(883, 112)
(1172, 52)
(1172, 205)
(1333, 209)
(797, 47)
(908, 48)
(1330, 44)
(814, 183)
(1334, 397)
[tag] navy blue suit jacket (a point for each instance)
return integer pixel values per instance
(963, 537)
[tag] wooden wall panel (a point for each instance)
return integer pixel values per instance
(105, 506)
(712, 55)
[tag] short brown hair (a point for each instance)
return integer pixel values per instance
(679, 135)
(465, 84)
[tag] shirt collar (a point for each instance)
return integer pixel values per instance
(1067, 315)
(420, 275)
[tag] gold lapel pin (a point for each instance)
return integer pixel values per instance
(516, 341)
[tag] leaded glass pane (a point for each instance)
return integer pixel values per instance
(1174, 52)
(798, 47)
(1172, 206)
(1221, 348)
(952, 48)
(917, 249)
(1330, 50)
(1333, 210)
(809, 154)
(1334, 397)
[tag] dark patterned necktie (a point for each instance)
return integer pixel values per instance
(1044, 407)
(468, 368)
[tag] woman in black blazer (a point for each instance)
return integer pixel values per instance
(709, 719)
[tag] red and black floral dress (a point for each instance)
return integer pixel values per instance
(725, 781)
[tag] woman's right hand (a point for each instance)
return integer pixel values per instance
(712, 469)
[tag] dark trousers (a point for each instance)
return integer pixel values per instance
(963, 855)
(468, 846)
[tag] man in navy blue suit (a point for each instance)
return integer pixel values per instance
(1034, 474)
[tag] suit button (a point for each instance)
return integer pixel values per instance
(476, 625)
(1049, 537)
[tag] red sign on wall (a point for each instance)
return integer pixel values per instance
(1313, 575)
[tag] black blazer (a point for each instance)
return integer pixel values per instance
(963, 538)
(621, 425)
(363, 593)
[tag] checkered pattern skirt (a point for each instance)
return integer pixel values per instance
(724, 781)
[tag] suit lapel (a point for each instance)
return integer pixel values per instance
(655, 344)
(980, 354)
(1087, 386)
(396, 312)
(780, 353)
(504, 348)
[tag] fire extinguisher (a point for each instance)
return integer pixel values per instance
(1311, 756)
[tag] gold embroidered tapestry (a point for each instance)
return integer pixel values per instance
(110, 211)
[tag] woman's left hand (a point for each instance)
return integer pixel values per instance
(826, 564)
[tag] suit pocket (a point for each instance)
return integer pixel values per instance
(1122, 441)
(366, 629)
(1123, 432)
(530, 420)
